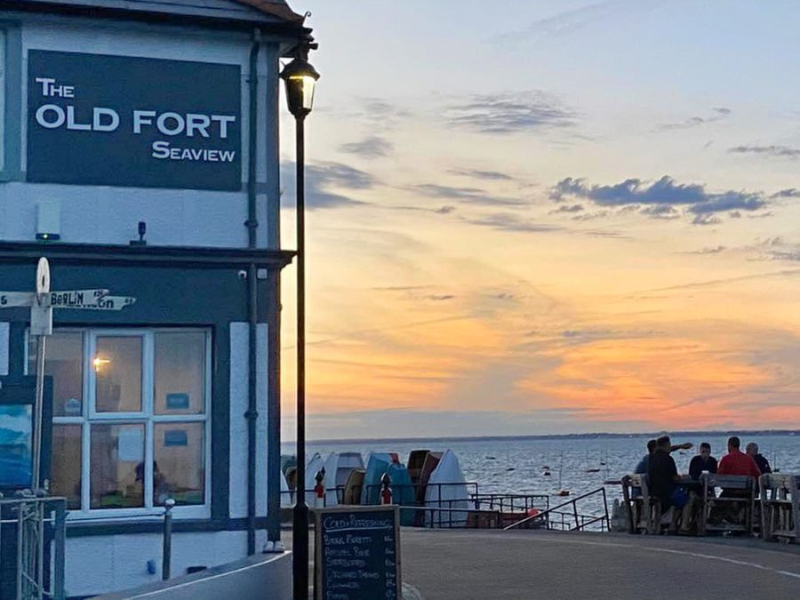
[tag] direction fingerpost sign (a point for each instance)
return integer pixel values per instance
(42, 301)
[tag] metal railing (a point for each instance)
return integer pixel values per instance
(31, 525)
(566, 517)
(512, 503)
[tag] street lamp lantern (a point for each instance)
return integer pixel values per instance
(300, 78)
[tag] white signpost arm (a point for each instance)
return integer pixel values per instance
(42, 303)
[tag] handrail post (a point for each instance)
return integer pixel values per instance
(166, 555)
(605, 505)
(40, 548)
(60, 535)
(20, 537)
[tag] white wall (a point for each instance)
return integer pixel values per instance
(100, 214)
(100, 564)
(238, 427)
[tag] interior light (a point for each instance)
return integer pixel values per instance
(99, 362)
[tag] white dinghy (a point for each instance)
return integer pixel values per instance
(337, 470)
(447, 489)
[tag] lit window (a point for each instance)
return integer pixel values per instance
(130, 424)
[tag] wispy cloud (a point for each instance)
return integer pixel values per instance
(324, 183)
(574, 20)
(708, 250)
(373, 146)
(660, 211)
(512, 222)
(568, 208)
(505, 114)
(479, 174)
(768, 151)
(659, 198)
(441, 210)
(717, 114)
(787, 193)
(466, 195)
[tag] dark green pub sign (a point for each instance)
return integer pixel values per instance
(133, 122)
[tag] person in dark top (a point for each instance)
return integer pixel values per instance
(642, 466)
(761, 462)
(702, 462)
(662, 474)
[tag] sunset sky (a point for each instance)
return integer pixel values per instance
(549, 217)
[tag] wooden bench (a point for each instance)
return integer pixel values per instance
(644, 512)
(738, 494)
(780, 506)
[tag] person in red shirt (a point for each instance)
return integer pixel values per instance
(736, 462)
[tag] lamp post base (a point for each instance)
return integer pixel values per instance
(300, 550)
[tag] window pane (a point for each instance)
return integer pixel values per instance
(118, 368)
(117, 469)
(64, 362)
(66, 470)
(179, 469)
(180, 372)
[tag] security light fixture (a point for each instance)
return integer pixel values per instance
(300, 78)
(48, 221)
(142, 230)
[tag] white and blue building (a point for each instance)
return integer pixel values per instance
(140, 155)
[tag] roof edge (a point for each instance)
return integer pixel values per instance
(290, 24)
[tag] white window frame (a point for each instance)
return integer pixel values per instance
(147, 417)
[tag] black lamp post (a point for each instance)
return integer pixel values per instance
(300, 78)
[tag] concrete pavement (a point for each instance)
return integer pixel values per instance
(496, 565)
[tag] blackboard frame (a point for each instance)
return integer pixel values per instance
(319, 514)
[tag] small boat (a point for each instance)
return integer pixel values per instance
(447, 489)
(592, 470)
(562, 493)
(430, 463)
(353, 487)
(546, 474)
(337, 470)
(286, 494)
(415, 462)
(377, 465)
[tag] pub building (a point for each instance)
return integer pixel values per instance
(140, 155)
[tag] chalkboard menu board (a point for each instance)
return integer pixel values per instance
(357, 553)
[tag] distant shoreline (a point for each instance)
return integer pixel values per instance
(561, 436)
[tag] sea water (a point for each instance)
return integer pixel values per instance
(577, 464)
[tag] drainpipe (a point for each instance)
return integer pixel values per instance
(272, 227)
(252, 292)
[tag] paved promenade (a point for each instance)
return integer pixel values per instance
(460, 565)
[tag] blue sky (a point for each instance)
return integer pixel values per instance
(550, 216)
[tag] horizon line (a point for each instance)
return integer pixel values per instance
(555, 436)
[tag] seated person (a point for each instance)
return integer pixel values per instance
(761, 461)
(662, 473)
(702, 462)
(642, 466)
(736, 462)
